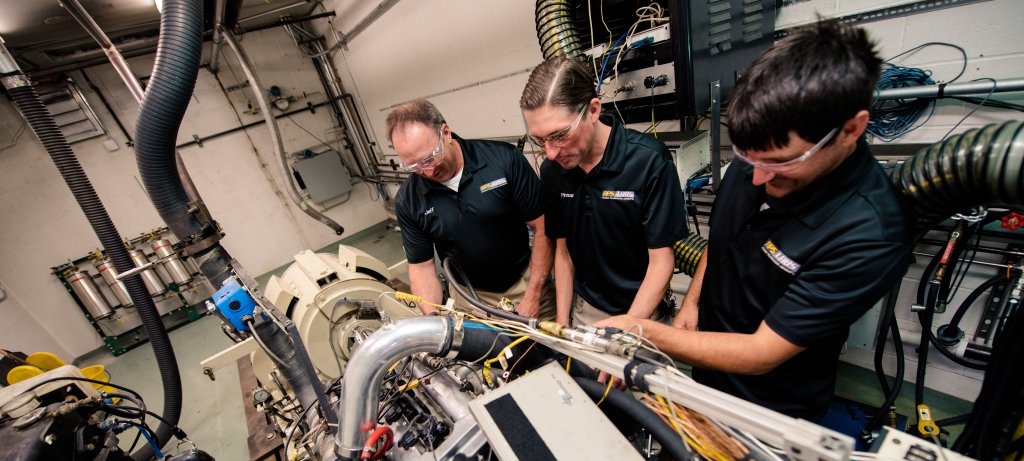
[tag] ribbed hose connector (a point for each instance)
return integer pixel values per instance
(688, 252)
(45, 128)
(171, 84)
(980, 167)
(555, 29)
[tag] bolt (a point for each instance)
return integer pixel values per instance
(49, 439)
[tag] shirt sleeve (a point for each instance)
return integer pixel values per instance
(664, 208)
(832, 292)
(418, 246)
(526, 187)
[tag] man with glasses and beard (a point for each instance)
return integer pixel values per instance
(470, 200)
(612, 200)
(807, 232)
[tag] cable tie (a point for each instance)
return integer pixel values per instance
(942, 91)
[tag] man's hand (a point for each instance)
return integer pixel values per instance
(687, 317)
(622, 322)
(529, 308)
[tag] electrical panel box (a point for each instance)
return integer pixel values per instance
(324, 176)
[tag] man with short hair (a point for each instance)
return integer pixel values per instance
(806, 233)
(613, 200)
(470, 200)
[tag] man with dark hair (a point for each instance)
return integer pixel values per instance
(612, 199)
(807, 232)
(470, 200)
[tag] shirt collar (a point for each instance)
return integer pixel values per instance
(823, 197)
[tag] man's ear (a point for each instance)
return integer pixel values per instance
(852, 130)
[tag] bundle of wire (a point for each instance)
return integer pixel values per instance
(894, 118)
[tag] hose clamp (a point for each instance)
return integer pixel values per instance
(15, 81)
(977, 215)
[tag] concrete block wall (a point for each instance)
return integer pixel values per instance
(238, 175)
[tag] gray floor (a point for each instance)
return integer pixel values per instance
(213, 414)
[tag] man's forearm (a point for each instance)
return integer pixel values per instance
(564, 273)
(424, 283)
(652, 289)
(541, 260)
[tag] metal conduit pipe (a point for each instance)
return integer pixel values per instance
(45, 128)
(275, 134)
(218, 39)
(953, 89)
(361, 387)
(555, 29)
(121, 66)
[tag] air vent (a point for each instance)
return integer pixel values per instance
(72, 113)
(720, 30)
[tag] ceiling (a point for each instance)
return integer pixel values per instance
(43, 36)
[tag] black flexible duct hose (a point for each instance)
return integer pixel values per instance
(171, 84)
(56, 145)
(982, 166)
(671, 442)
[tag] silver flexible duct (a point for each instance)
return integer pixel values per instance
(555, 29)
(275, 133)
(357, 414)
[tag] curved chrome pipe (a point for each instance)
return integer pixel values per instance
(357, 415)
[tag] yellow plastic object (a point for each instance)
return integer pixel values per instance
(45, 361)
(22, 372)
(99, 373)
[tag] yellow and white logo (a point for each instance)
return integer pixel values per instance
(494, 184)
(618, 195)
(779, 258)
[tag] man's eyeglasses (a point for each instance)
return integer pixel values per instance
(435, 156)
(560, 136)
(788, 165)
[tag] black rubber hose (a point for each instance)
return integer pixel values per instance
(168, 94)
(954, 322)
(671, 442)
(473, 300)
(891, 394)
(45, 128)
(925, 317)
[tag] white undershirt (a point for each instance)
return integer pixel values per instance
(453, 183)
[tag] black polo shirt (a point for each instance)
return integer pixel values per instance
(629, 202)
(483, 226)
(809, 266)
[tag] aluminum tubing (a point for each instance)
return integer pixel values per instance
(357, 416)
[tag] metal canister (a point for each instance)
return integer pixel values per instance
(83, 285)
(172, 264)
(106, 269)
(154, 284)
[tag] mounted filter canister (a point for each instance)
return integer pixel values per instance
(172, 264)
(83, 285)
(154, 284)
(106, 269)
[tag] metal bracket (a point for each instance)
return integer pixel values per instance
(715, 88)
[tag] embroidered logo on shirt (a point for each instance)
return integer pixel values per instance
(618, 195)
(565, 195)
(493, 184)
(431, 210)
(787, 265)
